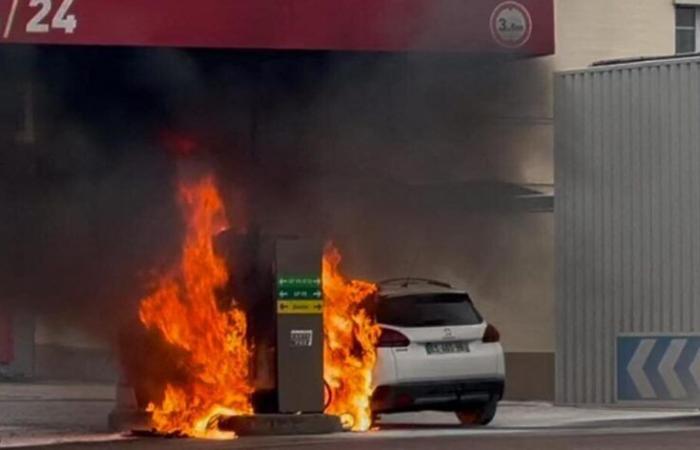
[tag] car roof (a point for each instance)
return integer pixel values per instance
(413, 286)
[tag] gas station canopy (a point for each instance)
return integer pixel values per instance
(486, 26)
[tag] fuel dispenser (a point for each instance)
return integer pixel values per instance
(278, 280)
(299, 317)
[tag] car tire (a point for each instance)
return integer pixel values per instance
(482, 415)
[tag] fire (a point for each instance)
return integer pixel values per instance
(185, 310)
(210, 338)
(350, 351)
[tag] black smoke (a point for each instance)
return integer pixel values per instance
(402, 159)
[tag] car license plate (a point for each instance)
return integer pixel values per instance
(442, 348)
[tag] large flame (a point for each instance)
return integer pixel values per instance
(350, 351)
(215, 354)
(185, 310)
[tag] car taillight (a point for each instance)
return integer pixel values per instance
(392, 338)
(491, 334)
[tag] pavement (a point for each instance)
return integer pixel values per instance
(68, 417)
(38, 414)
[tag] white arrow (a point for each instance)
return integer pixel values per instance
(636, 368)
(667, 368)
(695, 369)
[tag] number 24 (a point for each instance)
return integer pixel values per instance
(61, 20)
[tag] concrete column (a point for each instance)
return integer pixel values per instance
(16, 345)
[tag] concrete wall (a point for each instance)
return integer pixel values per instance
(62, 363)
(65, 353)
(530, 376)
(22, 364)
(594, 30)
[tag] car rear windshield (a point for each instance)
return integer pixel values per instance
(428, 310)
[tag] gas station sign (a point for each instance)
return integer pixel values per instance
(363, 25)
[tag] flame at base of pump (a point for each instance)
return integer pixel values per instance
(213, 363)
(350, 352)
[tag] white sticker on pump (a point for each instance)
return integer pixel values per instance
(301, 338)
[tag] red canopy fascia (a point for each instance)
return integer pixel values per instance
(353, 25)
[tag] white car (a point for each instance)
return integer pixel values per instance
(436, 352)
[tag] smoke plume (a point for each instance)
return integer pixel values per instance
(401, 159)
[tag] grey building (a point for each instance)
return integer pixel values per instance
(627, 157)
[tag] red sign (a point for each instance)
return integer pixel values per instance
(371, 25)
(511, 24)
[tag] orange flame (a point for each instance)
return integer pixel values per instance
(350, 347)
(184, 309)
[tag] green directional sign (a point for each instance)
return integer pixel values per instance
(299, 288)
(299, 282)
(299, 294)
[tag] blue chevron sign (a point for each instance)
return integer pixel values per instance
(658, 368)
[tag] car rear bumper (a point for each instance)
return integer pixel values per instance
(452, 395)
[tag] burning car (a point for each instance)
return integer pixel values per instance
(435, 352)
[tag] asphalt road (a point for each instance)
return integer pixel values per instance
(672, 439)
(34, 416)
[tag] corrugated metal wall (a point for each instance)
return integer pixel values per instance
(627, 152)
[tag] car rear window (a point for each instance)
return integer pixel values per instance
(428, 310)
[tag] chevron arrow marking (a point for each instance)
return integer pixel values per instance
(695, 369)
(667, 368)
(636, 369)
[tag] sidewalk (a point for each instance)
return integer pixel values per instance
(41, 413)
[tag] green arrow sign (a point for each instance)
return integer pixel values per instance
(299, 282)
(299, 294)
(299, 288)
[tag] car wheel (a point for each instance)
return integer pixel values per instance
(478, 416)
